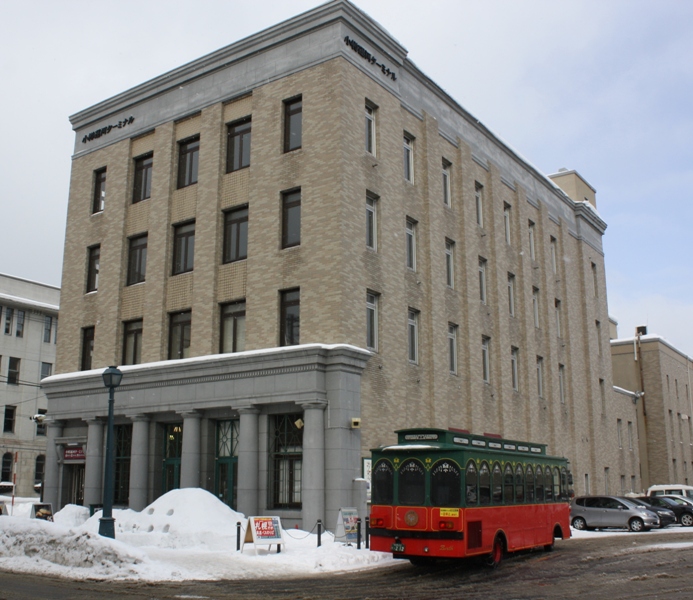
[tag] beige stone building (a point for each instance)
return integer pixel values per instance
(661, 374)
(309, 185)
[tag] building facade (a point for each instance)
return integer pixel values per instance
(661, 375)
(28, 334)
(310, 186)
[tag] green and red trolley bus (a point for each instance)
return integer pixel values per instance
(450, 494)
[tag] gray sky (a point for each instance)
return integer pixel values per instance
(603, 87)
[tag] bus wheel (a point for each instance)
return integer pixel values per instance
(494, 559)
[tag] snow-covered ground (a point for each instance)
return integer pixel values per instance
(183, 535)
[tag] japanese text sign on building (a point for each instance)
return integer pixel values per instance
(366, 55)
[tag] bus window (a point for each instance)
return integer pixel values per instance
(519, 484)
(412, 482)
(497, 484)
(508, 488)
(564, 484)
(556, 484)
(484, 484)
(445, 484)
(472, 484)
(382, 483)
(540, 483)
(529, 482)
(548, 488)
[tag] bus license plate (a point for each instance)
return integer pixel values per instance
(397, 548)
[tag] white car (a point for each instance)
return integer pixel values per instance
(671, 489)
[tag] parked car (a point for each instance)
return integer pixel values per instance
(666, 515)
(675, 489)
(601, 512)
(682, 510)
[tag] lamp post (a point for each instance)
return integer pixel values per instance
(111, 379)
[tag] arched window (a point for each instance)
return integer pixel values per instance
(556, 484)
(564, 484)
(382, 483)
(484, 484)
(412, 482)
(529, 483)
(540, 483)
(497, 486)
(548, 488)
(6, 474)
(472, 484)
(519, 484)
(508, 488)
(446, 484)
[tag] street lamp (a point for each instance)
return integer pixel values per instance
(111, 379)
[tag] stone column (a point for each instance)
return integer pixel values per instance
(248, 461)
(190, 454)
(93, 467)
(313, 485)
(53, 461)
(139, 462)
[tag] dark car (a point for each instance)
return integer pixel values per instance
(666, 515)
(682, 507)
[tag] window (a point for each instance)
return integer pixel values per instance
(408, 145)
(514, 368)
(291, 219)
(606, 480)
(10, 412)
(532, 251)
(47, 327)
(238, 145)
(450, 263)
(446, 484)
(452, 347)
(19, 332)
(121, 466)
(557, 304)
(179, 335)
(132, 342)
(9, 314)
(142, 188)
(6, 473)
(485, 359)
(293, 124)
(290, 315)
(554, 254)
(371, 222)
(630, 435)
(602, 394)
(183, 248)
(535, 305)
(382, 482)
(410, 237)
(188, 160)
(372, 321)
(619, 432)
(13, 370)
(370, 128)
(39, 468)
(412, 479)
(447, 198)
(93, 261)
(561, 383)
(232, 327)
(137, 259)
(540, 376)
(99, 199)
(46, 370)
(595, 279)
(479, 203)
(511, 294)
(482, 280)
(235, 235)
(87, 348)
(506, 222)
(286, 460)
(413, 335)
(598, 327)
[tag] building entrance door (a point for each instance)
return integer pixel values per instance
(74, 483)
(173, 446)
(226, 471)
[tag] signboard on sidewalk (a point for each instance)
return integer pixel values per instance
(346, 530)
(42, 511)
(264, 531)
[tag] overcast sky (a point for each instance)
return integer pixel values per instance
(604, 87)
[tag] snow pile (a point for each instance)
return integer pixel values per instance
(183, 535)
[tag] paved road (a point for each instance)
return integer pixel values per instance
(611, 567)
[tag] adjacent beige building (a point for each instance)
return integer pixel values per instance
(661, 375)
(310, 185)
